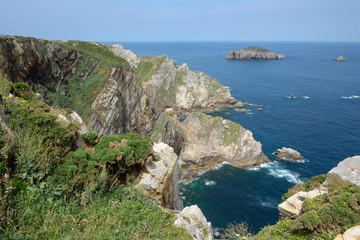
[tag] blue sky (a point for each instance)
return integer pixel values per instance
(178, 20)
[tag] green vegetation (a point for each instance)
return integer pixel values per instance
(256, 49)
(90, 138)
(147, 66)
(97, 51)
(314, 183)
(323, 217)
(50, 192)
(5, 84)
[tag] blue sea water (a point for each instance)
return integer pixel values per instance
(319, 122)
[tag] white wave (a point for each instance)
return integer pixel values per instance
(249, 113)
(210, 183)
(278, 172)
(355, 96)
(347, 97)
(268, 204)
(275, 170)
(306, 97)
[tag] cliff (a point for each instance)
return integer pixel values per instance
(171, 86)
(86, 77)
(253, 53)
(211, 140)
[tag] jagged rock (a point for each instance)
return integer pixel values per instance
(259, 109)
(193, 220)
(161, 177)
(253, 53)
(347, 172)
(340, 59)
(128, 55)
(291, 208)
(171, 86)
(288, 154)
(213, 139)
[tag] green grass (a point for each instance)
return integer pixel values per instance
(147, 67)
(120, 214)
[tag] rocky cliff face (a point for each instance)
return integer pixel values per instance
(171, 86)
(161, 177)
(210, 140)
(253, 53)
(88, 78)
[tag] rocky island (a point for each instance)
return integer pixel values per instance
(340, 59)
(253, 53)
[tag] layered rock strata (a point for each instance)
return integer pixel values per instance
(253, 53)
(161, 177)
(171, 86)
(103, 89)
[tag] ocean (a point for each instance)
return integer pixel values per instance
(322, 122)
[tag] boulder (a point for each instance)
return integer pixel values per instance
(291, 208)
(288, 154)
(340, 59)
(193, 220)
(350, 234)
(347, 172)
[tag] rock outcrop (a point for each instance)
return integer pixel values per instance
(161, 177)
(253, 53)
(347, 172)
(210, 140)
(128, 55)
(291, 208)
(171, 86)
(288, 154)
(340, 59)
(102, 89)
(193, 220)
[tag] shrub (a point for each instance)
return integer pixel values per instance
(90, 138)
(314, 183)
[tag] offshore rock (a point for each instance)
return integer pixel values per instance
(161, 177)
(347, 172)
(193, 220)
(210, 140)
(253, 53)
(340, 59)
(288, 154)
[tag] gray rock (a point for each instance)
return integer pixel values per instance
(253, 53)
(340, 59)
(347, 172)
(161, 177)
(210, 140)
(288, 154)
(193, 220)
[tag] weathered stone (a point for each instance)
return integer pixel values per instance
(128, 55)
(340, 59)
(352, 233)
(253, 53)
(288, 154)
(347, 172)
(210, 140)
(291, 208)
(193, 220)
(160, 178)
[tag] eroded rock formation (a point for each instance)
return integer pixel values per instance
(253, 53)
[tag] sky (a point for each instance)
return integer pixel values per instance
(183, 20)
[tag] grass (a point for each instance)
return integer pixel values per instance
(83, 197)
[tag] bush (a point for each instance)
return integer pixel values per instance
(90, 138)
(314, 183)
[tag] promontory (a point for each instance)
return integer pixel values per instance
(253, 53)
